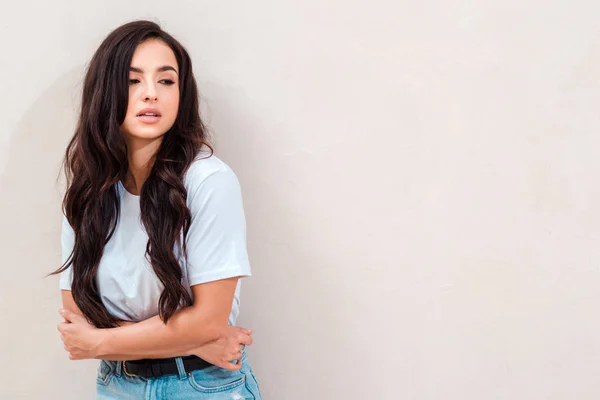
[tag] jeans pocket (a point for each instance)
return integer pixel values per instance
(222, 382)
(104, 373)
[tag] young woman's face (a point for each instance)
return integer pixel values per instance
(153, 91)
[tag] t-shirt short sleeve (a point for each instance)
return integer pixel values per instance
(67, 239)
(216, 239)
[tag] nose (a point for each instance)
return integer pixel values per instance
(150, 93)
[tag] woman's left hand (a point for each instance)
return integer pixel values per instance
(81, 339)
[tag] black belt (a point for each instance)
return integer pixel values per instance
(151, 368)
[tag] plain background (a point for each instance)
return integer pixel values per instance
(420, 181)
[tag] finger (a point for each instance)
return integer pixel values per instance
(66, 314)
(243, 330)
(70, 315)
(231, 367)
(62, 327)
(245, 339)
(76, 354)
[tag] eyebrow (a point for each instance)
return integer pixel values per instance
(159, 69)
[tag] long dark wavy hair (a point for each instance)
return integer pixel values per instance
(96, 160)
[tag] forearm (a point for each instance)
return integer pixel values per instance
(129, 357)
(186, 330)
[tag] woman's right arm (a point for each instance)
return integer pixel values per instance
(210, 352)
(203, 323)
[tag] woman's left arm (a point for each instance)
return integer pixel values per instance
(209, 352)
(191, 327)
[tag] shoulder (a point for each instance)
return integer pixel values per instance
(208, 170)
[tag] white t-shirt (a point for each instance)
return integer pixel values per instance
(216, 244)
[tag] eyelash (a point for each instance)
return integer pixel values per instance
(167, 82)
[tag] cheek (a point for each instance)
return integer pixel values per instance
(130, 109)
(173, 104)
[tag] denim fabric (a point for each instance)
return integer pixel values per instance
(213, 383)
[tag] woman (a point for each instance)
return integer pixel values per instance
(153, 235)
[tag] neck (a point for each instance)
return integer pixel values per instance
(141, 155)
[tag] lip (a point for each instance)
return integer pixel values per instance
(148, 119)
(148, 111)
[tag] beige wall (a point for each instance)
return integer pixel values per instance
(420, 180)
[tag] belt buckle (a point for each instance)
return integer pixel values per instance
(125, 370)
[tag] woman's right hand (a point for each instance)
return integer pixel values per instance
(228, 348)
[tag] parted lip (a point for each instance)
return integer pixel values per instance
(149, 111)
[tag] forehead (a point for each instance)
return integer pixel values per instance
(151, 54)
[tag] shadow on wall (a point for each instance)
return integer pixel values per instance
(30, 207)
(296, 324)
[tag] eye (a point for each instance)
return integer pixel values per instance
(134, 81)
(167, 82)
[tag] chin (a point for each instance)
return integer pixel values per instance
(146, 135)
(146, 132)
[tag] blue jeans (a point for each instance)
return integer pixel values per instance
(212, 383)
